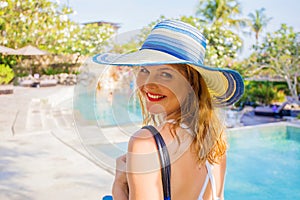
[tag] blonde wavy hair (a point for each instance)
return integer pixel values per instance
(198, 113)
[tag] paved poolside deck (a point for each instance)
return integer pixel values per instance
(40, 161)
(37, 164)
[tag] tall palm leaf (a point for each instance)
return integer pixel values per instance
(258, 21)
(220, 12)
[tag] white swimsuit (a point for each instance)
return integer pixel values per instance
(209, 177)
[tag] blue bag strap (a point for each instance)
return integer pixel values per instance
(107, 197)
(164, 161)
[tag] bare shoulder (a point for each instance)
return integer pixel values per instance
(142, 153)
(142, 141)
(221, 166)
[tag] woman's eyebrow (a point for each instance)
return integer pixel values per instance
(166, 68)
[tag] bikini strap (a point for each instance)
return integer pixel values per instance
(164, 161)
(209, 177)
(212, 179)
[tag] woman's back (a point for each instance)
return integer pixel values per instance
(187, 177)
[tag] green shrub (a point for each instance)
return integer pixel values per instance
(21, 71)
(262, 92)
(57, 68)
(6, 74)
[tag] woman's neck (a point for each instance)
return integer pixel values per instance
(172, 116)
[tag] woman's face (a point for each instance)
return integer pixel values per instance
(164, 89)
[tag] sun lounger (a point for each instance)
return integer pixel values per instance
(48, 82)
(271, 110)
(6, 89)
(26, 83)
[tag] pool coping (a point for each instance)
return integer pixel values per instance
(293, 124)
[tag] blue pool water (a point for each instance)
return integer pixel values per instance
(263, 163)
(121, 109)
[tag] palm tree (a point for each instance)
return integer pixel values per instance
(220, 12)
(258, 20)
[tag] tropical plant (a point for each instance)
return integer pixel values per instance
(220, 12)
(6, 74)
(261, 92)
(257, 22)
(45, 24)
(279, 52)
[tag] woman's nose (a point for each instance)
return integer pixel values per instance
(151, 86)
(151, 81)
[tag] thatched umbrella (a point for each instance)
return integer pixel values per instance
(30, 51)
(6, 50)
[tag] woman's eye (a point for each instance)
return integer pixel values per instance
(143, 70)
(166, 75)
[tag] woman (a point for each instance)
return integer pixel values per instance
(178, 95)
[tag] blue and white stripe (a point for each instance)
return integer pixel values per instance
(177, 39)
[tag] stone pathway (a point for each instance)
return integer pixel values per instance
(39, 161)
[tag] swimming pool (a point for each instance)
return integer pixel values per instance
(108, 109)
(263, 163)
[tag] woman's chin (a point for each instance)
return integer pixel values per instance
(156, 109)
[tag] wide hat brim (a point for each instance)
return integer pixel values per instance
(225, 86)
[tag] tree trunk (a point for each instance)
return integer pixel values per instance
(292, 85)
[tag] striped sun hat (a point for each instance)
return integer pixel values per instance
(173, 41)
